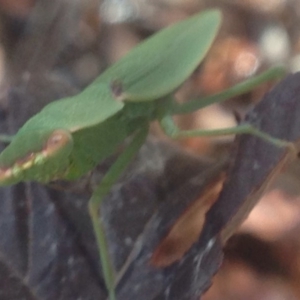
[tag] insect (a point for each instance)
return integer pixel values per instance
(70, 136)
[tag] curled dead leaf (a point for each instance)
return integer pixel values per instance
(188, 227)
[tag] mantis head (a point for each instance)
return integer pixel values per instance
(36, 155)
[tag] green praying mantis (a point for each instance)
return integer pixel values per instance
(70, 136)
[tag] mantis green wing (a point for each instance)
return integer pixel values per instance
(42, 148)
(168, 58)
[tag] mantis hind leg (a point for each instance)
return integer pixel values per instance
(239, 89)
(171, 129)
(101, 191)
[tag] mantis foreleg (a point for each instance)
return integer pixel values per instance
(101, 191)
